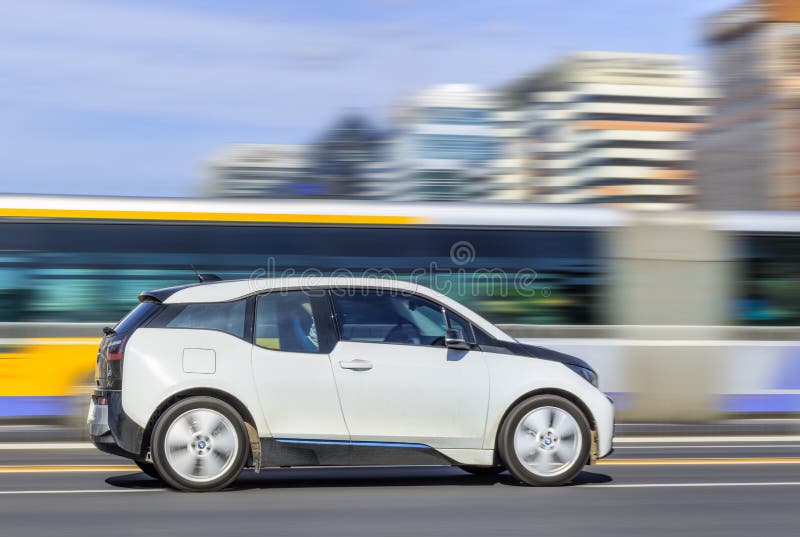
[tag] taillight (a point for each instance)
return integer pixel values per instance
(116, 348)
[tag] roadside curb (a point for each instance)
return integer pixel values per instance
(767, 427)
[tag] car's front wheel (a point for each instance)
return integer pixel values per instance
(199, 444)
(545, 440)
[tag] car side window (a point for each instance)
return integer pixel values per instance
(228, 317)
(459, 323)
(294, 321)
(381, 316)
(482, 338)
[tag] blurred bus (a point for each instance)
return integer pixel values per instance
(69, 265)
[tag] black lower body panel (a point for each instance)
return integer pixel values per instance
(286, 452)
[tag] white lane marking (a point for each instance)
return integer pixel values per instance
(690, 485)
(613, 342)
(86, 491)
(720, 446)
(26, 446)
(698, 461)
(702, 439)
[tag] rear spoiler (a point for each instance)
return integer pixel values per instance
(160, 295)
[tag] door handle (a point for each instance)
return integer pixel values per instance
(357, 365)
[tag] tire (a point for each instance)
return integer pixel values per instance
(148, 468)
(483, 470)
(199, 444)
(545, 441)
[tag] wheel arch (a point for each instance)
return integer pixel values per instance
(558, 392)
(232, 400)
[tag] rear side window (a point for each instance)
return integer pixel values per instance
(228, 317)
(136, 317)
(294, 321)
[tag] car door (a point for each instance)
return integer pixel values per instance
(293, 334)
(397, 381)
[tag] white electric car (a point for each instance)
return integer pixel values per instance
(201, 381)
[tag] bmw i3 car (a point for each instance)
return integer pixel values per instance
(200, 381)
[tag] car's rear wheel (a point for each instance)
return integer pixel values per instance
(199, 444)
(545, 440)
(148, 468)
(483, 470)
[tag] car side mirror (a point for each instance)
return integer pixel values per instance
(454, 339)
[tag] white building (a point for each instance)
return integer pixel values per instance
(610, 128)
(750, 151)
(260, 170)
(447, 145)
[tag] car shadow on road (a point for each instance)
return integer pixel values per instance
(136, 480)
(286, 478)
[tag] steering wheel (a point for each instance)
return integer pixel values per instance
(405, 333)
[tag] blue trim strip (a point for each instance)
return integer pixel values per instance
(25, 406)
(760, 403)
(349, 443)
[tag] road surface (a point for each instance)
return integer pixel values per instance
(716, 486)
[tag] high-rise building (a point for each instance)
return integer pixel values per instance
(609, 128)
(350, 160)
(261, 170)
(749, 154)
(446, 145)
(346, 161)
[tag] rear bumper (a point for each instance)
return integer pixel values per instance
(110, 429)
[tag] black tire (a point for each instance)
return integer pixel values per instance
(177, 411)
(148, 468)
(506, 445)
(483, 470)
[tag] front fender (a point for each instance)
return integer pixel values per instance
(513, 378)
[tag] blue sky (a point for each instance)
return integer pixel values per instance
(129, 98)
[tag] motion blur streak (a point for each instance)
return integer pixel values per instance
(672, 311)
(86, 491)
(665, 462)
(25, 391)
(74, 468)
(681, 485)
(208, 217)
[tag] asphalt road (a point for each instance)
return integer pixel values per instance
(715, 487)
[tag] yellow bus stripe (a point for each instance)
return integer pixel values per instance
(181, 216)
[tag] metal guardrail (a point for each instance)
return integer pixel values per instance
(34, 330)
(659, 332)
(544, 331)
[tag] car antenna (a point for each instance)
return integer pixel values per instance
(205, 277)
